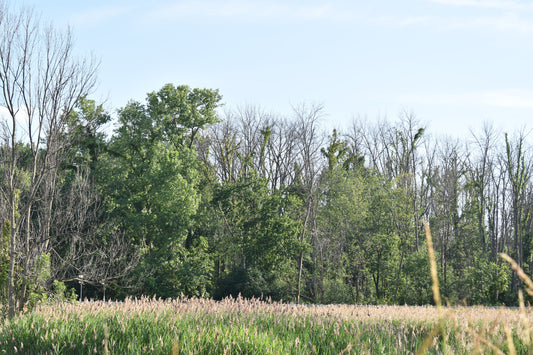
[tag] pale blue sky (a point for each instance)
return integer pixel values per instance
(453, 63)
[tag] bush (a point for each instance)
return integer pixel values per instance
(246, 282)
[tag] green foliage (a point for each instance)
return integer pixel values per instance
(247, 283)
(38, 283)
(358, 219)
(195, 270)
(256, 226)
(88, 141)
(484, 282)
(415, 283)
(182, 112)
(61, 294)
(150, 182)
(4, 263)
(337, 291)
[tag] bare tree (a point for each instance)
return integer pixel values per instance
(481, 170)
(249, 138)
(519, 173)
(447, 182)
(310, 140)
(40, 80)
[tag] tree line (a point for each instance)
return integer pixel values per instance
(184, 198)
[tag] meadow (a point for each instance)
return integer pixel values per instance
(239, 326)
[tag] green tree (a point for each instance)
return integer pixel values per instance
(257, 230)
(182, 112)
(151, 181)
(358, 218)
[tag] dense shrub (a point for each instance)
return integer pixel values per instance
(246, 282)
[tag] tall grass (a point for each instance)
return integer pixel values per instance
(238, 326)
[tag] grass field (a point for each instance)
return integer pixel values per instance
(237, 326)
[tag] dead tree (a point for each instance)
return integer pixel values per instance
(41, 81)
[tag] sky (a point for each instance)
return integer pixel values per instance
(454, 64)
